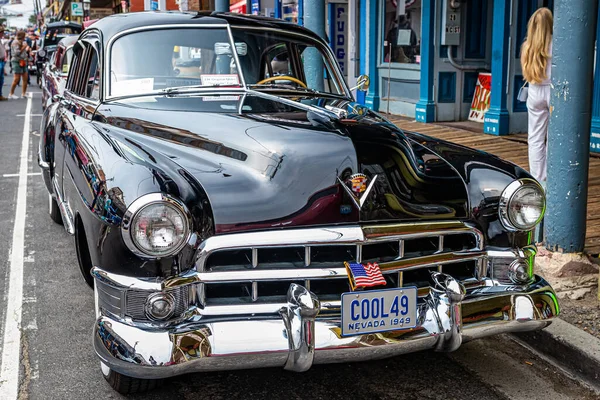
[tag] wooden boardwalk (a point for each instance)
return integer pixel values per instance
(514, 149)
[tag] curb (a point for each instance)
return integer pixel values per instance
(569, 346)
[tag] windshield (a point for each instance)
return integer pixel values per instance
(163, 59)
(173, 60)
(275, 60)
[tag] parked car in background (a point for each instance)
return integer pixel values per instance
(56, 71)
(52, 34)
(234, 207)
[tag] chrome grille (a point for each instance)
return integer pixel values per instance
(258, 267)
(131, 303)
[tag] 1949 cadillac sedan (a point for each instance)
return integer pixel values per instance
(234, 207)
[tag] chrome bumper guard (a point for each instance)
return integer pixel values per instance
(306, 332)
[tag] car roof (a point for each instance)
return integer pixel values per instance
(62, 24)
(116, 23)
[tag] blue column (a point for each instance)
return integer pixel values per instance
(278, 5)
(569, 130)
(370, 19)
(301, 12)
(425, 108)
(314, 19)
(222, 5)
(362, 49)
(496, 119)
(595, 133)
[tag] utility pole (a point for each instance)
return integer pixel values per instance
(569, 130)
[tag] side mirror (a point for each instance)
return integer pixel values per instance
(362, 83)
(57, 97)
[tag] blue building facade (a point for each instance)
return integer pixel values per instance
(427, 56)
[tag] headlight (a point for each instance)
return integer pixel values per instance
(41, 53)
(156, 225)
(522, 205)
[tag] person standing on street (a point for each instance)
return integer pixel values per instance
(2, 62)
(536, 60)
(19, 50)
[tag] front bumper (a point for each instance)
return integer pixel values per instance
(305, 332)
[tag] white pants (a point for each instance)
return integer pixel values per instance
(538, 107)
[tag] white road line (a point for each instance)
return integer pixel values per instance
(15, 175)
(11, 344)
(32, 115)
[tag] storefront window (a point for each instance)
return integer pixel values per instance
(402, 41)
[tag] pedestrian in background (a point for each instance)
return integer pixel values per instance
(2, 62)
(19, 50)
(536, 60)
(536, 63)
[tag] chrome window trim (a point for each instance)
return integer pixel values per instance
(142, 202)
(507, 195)
(108, 51)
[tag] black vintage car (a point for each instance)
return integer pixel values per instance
(52, 34)
(55, 72)
(234, 207)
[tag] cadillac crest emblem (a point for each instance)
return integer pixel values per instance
(358, 188)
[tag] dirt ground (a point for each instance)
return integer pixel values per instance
(584, 313)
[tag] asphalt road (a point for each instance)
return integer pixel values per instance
(57, 359)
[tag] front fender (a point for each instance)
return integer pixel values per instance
(106, 171)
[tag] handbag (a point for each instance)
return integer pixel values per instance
(523, 93)
(22, 63)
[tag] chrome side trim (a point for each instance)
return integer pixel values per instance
(41, 163)
(65, 211)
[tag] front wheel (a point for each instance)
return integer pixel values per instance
(126, 384)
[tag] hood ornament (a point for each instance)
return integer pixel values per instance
(358, 188)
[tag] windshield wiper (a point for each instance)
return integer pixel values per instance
(283, 86)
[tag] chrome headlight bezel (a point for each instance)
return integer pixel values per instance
(140, 204)
(508, 195)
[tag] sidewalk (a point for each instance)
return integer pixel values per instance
(514, 148)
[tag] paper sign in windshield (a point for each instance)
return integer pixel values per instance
(132, 86)
(220, 80)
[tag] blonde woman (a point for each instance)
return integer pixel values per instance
(536, 59)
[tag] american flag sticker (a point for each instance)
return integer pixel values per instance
(362, 276)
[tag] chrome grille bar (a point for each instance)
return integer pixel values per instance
(308, 259)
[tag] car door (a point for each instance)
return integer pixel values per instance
(82, 177)
(64, 127)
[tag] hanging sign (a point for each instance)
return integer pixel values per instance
(76, 10)
(339, 37)
(481, 97)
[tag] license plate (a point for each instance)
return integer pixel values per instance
(379, 310)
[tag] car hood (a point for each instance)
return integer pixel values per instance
(267, 162)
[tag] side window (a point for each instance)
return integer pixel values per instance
(66, 61)
(92, 87)
(88, 75)
(73, 75)
(56, 57)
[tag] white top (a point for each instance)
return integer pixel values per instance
(548, 79)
